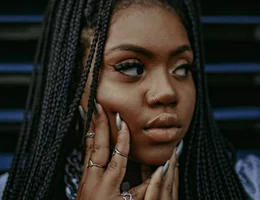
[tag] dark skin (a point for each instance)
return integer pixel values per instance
(157, 84)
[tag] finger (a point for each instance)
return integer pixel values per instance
(167, 189)
(153, 190)
(89, 143)
(100, 149)
(88, 151)
(175, 191)
(139, 191)
(116, 169)
(89, 146)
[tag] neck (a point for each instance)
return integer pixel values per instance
(136, 173)
(133, 174)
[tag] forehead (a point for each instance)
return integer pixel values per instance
(147, 25)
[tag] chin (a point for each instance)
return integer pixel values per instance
(155, 162)
(152, 157)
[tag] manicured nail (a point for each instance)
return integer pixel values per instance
(95, 109)
(118, 122)
(165, 168)
(179, 149)
(82, 113)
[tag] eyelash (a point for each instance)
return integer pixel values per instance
(128, 65)
(187, 67)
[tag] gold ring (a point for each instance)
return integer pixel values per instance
(92, 164)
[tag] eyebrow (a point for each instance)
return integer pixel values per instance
(147, 53)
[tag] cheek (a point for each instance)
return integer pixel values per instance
(115, 97)
(119, 98)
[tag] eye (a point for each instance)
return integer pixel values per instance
(183, 70)
(130, 68)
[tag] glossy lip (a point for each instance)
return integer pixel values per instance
(163, 128)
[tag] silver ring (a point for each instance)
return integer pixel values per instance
(127, 194)
(92, 164)
(90, 135)
(116, 151)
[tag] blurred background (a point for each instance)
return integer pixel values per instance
(232, 44)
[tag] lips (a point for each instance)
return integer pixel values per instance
(164, 128)
(164, 121)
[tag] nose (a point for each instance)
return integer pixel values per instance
(162, 91)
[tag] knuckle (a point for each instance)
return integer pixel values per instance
(157, 184)
(112, 165)
(134, 192)
(147, 182)
(95, 148)
(100, 120)
(168, 188)
(89, 147)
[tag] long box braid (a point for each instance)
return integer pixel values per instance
(208, 171)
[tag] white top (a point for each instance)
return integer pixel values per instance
(248, 171)
(3, 179)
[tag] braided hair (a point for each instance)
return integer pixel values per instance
(57, 85)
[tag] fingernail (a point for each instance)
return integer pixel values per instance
(95, 109)
(82, 113)
(165, 168)
(179, 149)
(118, 122)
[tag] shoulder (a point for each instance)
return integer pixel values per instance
(248, 171)
(3, 179)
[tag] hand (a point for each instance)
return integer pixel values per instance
(163, 184)
(104, 183)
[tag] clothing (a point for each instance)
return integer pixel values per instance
(247, 168)
(3, 179)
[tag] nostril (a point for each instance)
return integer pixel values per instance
(162, 99)
(166, 101)
(165, 104)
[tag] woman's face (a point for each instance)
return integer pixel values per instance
(145, 78)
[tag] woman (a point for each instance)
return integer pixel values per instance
(142, 62)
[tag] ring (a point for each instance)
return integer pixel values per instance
(116, 151)
(90, 135)
(92, 164)
(127, 194)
